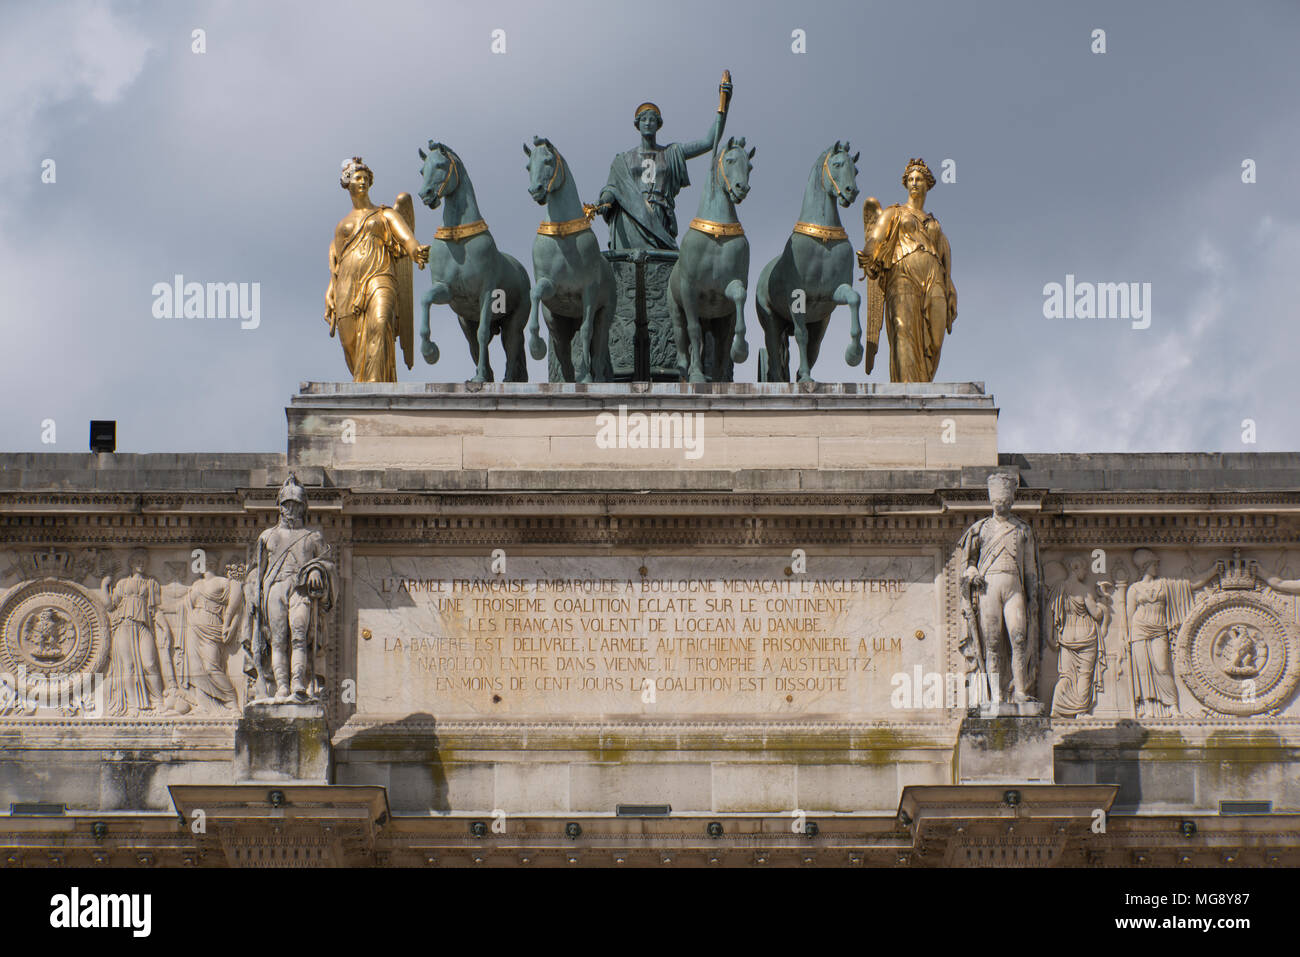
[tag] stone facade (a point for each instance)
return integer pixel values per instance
(537, 626)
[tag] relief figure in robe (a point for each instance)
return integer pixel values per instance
(212, 607)
(141, 676)
(1079, 622)
(1156, 609)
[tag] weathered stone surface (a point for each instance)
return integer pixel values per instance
(282, 742)
(1005, 750)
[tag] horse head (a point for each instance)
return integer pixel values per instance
(545, 169)
(839, 173)
(733, 168)
(440, 173)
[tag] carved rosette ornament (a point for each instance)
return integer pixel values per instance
(52, 632)
(1237, 651)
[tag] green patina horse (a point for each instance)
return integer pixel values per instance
(486, 288)
(708, 280)
(574, 284)
(798, 291)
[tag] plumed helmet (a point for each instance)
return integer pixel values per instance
(292, 491)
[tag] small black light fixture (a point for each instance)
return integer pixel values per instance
(99, 830)
(276, 798)
(810, 829)
(714, 829)
(904, 818)
(1189, 829)
(103, 435)
(573, 830)
(478, 828)
(382, 819)
(1011, 797)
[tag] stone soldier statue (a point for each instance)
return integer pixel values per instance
(639, 200)
(291, 582)
(1000, 597)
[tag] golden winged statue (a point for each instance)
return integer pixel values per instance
(907, 255)
(370, 300)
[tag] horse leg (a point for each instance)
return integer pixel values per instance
(469, 331)
(512, 340)
(679, 324)
(581, 351)
(800, 320)
(778, 362)
(691, 308)
(816, 333)
(541, 292)
(848, 296)
(561, 335)
(483, 368)
(602, 369)
(439, 293)
(735, 291)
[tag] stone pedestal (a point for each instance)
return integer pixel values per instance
(1012, 709)
(676, 428)
(282, 742)
(1005, 750)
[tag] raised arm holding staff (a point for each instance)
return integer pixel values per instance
(639, 199)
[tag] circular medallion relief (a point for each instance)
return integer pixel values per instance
(52, 628)
(1238, 654)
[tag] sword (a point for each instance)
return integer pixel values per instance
(971, 613)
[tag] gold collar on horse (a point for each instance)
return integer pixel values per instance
(710, 228)
(824, 233)
(456, 234)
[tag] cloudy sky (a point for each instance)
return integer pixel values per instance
(222, 166)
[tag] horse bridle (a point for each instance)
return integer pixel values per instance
(455, 168)
(559, 165)
(722, 172)
(826, 168)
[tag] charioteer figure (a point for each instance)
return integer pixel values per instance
(639, 200)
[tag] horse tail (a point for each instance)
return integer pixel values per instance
(762, 365)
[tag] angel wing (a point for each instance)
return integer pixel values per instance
(870, 216)
(405, 286)
(875, 294)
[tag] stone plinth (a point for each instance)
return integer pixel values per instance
(282, 742)
(666, 426)
(1005, 750)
